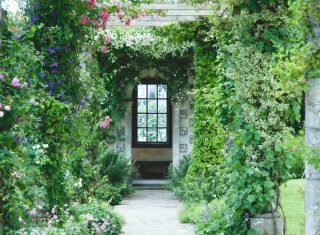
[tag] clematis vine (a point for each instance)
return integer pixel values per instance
(106, 122)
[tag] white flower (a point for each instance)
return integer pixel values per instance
(45, 146)
(32, 100)
(7, 107)
(1, 114)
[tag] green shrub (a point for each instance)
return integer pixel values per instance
(298, 150)
(191, 212)
(115, 165)
(100, 219)
(212, 219)
(177, 174)
(205, 186)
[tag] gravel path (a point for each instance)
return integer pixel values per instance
(152, 212)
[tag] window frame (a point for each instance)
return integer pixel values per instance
(135, 142)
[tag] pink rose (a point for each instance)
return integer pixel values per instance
(128, 22)
(104, 15)
(15, 82)
(84, 20)
(91, 3)
(107, 119)
(106, 39)
(95, 23)
(104, 125)
(1, 106)
(104, 49)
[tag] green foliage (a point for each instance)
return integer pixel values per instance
(298, 151)
(100, 219)
(207, 151)
(192, 212)
(115, 165)
(206, 186)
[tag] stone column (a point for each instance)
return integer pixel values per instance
(128, 129)
(312, 138)
(175, 133)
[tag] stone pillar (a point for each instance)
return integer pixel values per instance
(312, 175)
(128, 130)
(312, 138)
(175, 133)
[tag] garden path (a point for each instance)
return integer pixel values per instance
(152, 212)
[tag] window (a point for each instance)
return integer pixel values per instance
(151, 116)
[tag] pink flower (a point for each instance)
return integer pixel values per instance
(106, 39)
(104, 15)
(104, 49)
(7, 107)
(84, 19)
(104, 125)
(118, 10)
(95, 23)
(2, 76)
(15, 82)
(1, 106)
(91, 3)
(128, 22)
(106, 122)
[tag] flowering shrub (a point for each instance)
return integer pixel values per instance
(99, 219)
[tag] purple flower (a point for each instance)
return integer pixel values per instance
(15, 82)
(52, 84)
(2, 76)
(34, 18)
(19, 139)
(54, 65)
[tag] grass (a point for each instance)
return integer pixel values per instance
(293, 206)
(291, 200)
(191, 213)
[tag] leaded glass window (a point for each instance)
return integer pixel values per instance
(151, 121)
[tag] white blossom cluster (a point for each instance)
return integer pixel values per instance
(143, 40)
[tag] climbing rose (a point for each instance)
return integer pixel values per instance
(84, 20)
(104, 125)
(7, 107)
(104, 15)
(106, 39)
(15, 82)
(104, 49)
(1, 114)
(106, 122)
(95, 23)
(128, 22)
(91, 3)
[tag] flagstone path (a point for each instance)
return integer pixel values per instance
(152, 212)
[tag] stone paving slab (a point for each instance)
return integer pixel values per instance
(152, 212)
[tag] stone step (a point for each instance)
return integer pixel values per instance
(149, 184)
